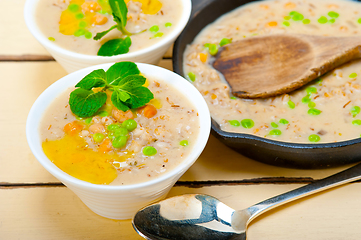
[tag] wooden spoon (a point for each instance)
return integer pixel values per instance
(266, 66)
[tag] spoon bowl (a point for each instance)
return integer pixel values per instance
(196, 216)
(270, 65)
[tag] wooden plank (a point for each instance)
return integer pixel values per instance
(56, 213)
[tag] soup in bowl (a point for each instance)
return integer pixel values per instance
(116, 158)
(81, 33)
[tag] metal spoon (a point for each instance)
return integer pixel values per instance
(196, 216)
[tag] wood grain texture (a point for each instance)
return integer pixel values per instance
(271, 65)
(56, 213)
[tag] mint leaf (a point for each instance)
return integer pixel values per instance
(117, 97)
(102, 34)
(85, 103)
(115, 47)
(130, 82)
(139, 97)
(120, 70)
(96, 78)
(120, 11)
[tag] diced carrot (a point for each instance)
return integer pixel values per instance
(203, 57)
(272, 24)
(205, 92)
(149, 111)
(90, 6)
(264, 6)
(214, 96)
(98, 19)
(73, 128)
(290, 5)
(105, 146)
(334, 6)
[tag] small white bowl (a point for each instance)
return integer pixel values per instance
(72, 61)
(118, 202)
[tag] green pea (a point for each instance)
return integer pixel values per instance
(332, 20)
(119, 141)
(88, 120)
(314, 138)
(247, 123)
(312, 105)
(275, 132)
(291, 104)
(183, 143)
(322, 20)
(355, 110)
(283, 121)
(103, 114)
(359, 20)
(233, 97)
(225, 41)
(111, 136)
(158, 35)
(154, 29)
(168, 24)
(98, 137)
(285, 23)
(314, 111)
(79, 32)
(121, 132)
(287, 18)
(318, 81)
(306, 21)
(79, 16)
(113, 127)
(333, 14)
(192, 76)
(356, 122)
(73, 7)
(212, 49)
(51, 39)
(129, 124)
(234, 123)
(149, 151)
(273, 124)
(297, 16)
(88, 35)
(311, 90)
(306, 99)
(352, 75)
(292, 12)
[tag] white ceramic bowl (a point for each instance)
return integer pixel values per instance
(72, 61)
(118, 202)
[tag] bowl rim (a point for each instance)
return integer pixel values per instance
(232, 135)
(30, 20)
(50, 94)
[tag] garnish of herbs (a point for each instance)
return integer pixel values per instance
(118, 45)
(123, 79)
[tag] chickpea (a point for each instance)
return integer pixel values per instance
(96, 128)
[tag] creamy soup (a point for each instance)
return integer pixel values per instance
(72, 24)
(326, 110)
(158, 137)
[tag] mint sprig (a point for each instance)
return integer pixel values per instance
(122, 78)
(119, 45)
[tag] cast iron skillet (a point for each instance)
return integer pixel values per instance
(293, 155)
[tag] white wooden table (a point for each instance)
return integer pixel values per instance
(35, 205)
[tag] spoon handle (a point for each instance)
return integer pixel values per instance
(346, 176)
